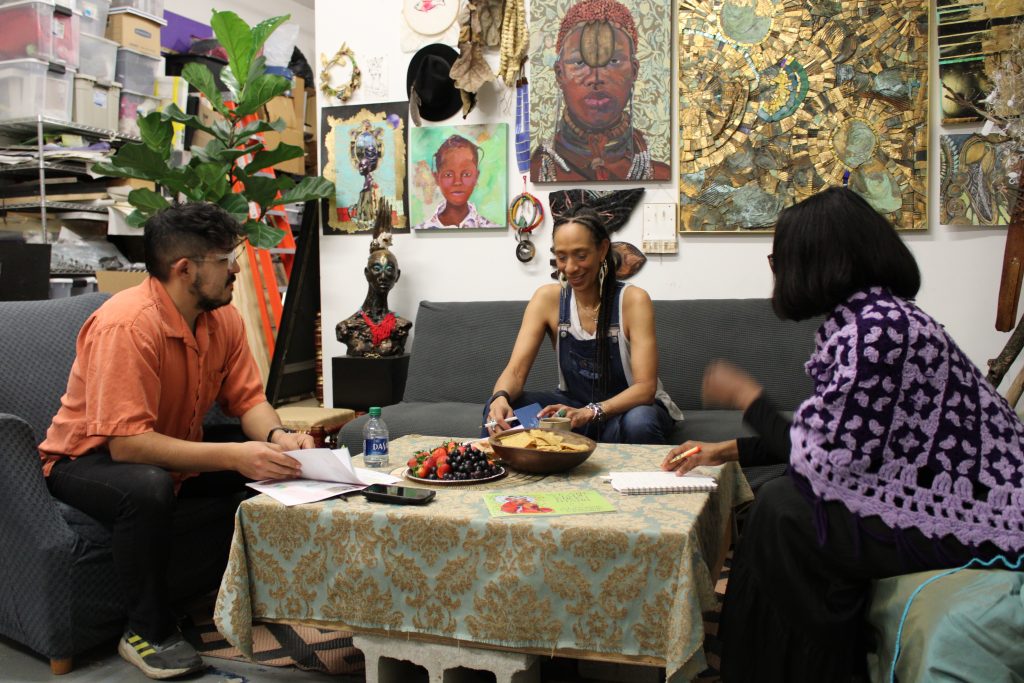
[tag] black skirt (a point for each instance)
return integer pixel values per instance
(800, 584)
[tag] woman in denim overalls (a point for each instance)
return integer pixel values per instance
(603, 332)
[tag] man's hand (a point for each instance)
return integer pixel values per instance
(728, 386)
(293, 441)
(709, 454)
(260, 460)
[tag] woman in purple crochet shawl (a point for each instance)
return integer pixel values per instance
(904, 459)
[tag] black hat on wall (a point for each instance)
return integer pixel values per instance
(428, 80)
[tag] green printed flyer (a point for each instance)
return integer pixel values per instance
(547, 503)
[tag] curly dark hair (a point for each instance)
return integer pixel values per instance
(187, 231)
(831, 245)
(590, 220)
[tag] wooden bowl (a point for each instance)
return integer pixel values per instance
(537, 461)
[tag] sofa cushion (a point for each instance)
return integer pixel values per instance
(460, 348)
(37, 347)
(692, 333)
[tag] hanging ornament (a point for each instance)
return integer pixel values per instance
(522, 140)
(344, 91)
(525, 214)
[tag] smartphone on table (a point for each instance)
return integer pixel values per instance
(399, 495)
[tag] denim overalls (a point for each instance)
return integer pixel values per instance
(579, 372)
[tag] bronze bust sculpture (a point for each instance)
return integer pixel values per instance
(374, 331)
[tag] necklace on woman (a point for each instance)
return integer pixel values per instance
(590, 312)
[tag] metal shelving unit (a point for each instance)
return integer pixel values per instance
(41, 125)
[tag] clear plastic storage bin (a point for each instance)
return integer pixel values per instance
(134, 105)
(29, 87)
(151, 7)
(39, 29)
(98, 58)
(94, 17)
(136, 71)
(96, 104)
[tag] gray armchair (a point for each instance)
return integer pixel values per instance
(59, 593)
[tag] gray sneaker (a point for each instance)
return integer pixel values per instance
(173, 657)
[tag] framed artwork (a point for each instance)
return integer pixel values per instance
(363, 153)
(779, 99)
(599, 71)
(971, 34)
(973, 185)
(458, 176)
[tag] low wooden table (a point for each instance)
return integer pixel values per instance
(628, 586)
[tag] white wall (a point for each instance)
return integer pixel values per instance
(960, 266)
(253, 13)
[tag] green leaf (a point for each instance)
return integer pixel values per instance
(310, 187)
(267, 158)
(261, 235)
(147, 201)
(261, 190)
(215, 178)
(200, 76)
(224, 131)
(236, 38)
(235, 204)
(184, 180)
(262, 30)
(172, 113)
(215, 152)
(108, 169)
(137, 219)
(136, 160)
(261, 90)
(227, 76)
(157, 133)
(260, 126)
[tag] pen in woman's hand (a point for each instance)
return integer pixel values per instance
(685, 454)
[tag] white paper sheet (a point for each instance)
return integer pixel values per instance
(325, 473)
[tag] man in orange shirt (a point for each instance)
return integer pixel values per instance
(126, 446)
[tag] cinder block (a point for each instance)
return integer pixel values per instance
(444, 663)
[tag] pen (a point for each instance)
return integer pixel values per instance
(494, 423)
(693, 451)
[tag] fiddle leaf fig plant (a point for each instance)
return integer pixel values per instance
(214, 174)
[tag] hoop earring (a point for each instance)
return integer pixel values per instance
(563, 279)
(601, 275)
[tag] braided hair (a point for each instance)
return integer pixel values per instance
(590, 220)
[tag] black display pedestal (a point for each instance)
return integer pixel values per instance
(360, 383)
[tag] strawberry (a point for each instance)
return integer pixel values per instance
(443, 469)
(424, 470)
(413, 462)
(439, 451)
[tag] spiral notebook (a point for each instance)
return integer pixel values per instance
(645, 483)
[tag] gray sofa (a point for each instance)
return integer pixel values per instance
(460, 348)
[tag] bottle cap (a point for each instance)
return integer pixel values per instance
(375, 412)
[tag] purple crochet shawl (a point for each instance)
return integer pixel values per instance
(903, 426)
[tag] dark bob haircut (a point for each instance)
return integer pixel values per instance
(187, 231)
(831, 245)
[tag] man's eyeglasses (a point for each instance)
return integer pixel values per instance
(771, 262)
(231, 257)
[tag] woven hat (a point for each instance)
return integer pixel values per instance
(430, 84)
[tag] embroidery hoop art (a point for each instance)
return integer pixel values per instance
(525, 213)
(429, 17)
(344, 91)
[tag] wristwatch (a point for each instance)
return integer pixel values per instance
(279, 428)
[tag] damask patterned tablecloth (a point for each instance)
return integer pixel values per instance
(625, 585)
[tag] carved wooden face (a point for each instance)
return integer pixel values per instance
(382, 271)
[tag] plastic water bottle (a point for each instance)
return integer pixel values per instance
(375, 440)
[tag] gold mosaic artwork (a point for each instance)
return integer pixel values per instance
(779, 99)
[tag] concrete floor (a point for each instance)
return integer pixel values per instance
(18, 664)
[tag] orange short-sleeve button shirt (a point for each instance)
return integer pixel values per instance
(139, 368)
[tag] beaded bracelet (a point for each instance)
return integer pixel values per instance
(598, 411)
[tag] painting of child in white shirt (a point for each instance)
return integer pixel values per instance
(456, 170)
